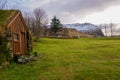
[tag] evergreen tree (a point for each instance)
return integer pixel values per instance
(55, 25)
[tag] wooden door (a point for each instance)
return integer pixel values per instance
(16, 44)
(23, 43)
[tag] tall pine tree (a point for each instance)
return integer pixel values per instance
(55, 25)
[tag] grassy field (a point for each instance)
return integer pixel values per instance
(70, 59)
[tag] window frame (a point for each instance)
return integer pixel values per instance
(16, 37)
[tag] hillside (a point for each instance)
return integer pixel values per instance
(70, 59)
(86, 28)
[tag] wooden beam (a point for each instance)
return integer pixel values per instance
(13, 19)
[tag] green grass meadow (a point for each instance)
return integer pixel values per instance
(70, 59)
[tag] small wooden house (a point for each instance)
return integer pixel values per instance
(13, 26)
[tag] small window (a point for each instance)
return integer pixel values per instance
(0, 40)
(15, 37)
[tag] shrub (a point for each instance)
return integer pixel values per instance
(4, 53)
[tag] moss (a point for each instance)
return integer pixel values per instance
(2, 58)
(3, 50)
(5, 15)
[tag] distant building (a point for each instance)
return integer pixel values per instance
(72, 33)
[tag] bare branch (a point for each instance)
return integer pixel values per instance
(41, 20)
(112, 27)
(3, 4)
(37, 22)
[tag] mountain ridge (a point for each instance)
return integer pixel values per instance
(86, 28)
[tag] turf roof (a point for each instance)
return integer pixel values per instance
(5, 16)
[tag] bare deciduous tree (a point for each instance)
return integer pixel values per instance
(112, 26)
(37, 21)
(40, 21)
(2, 4)
(109, 29)
(27, 18)
(105, 28)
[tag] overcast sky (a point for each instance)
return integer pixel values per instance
(74, 11)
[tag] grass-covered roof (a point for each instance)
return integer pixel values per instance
(5, 16)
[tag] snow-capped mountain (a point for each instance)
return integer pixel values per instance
(86, 28)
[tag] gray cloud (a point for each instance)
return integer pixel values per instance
(77, 8)
(69, 10)
(81, 5)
